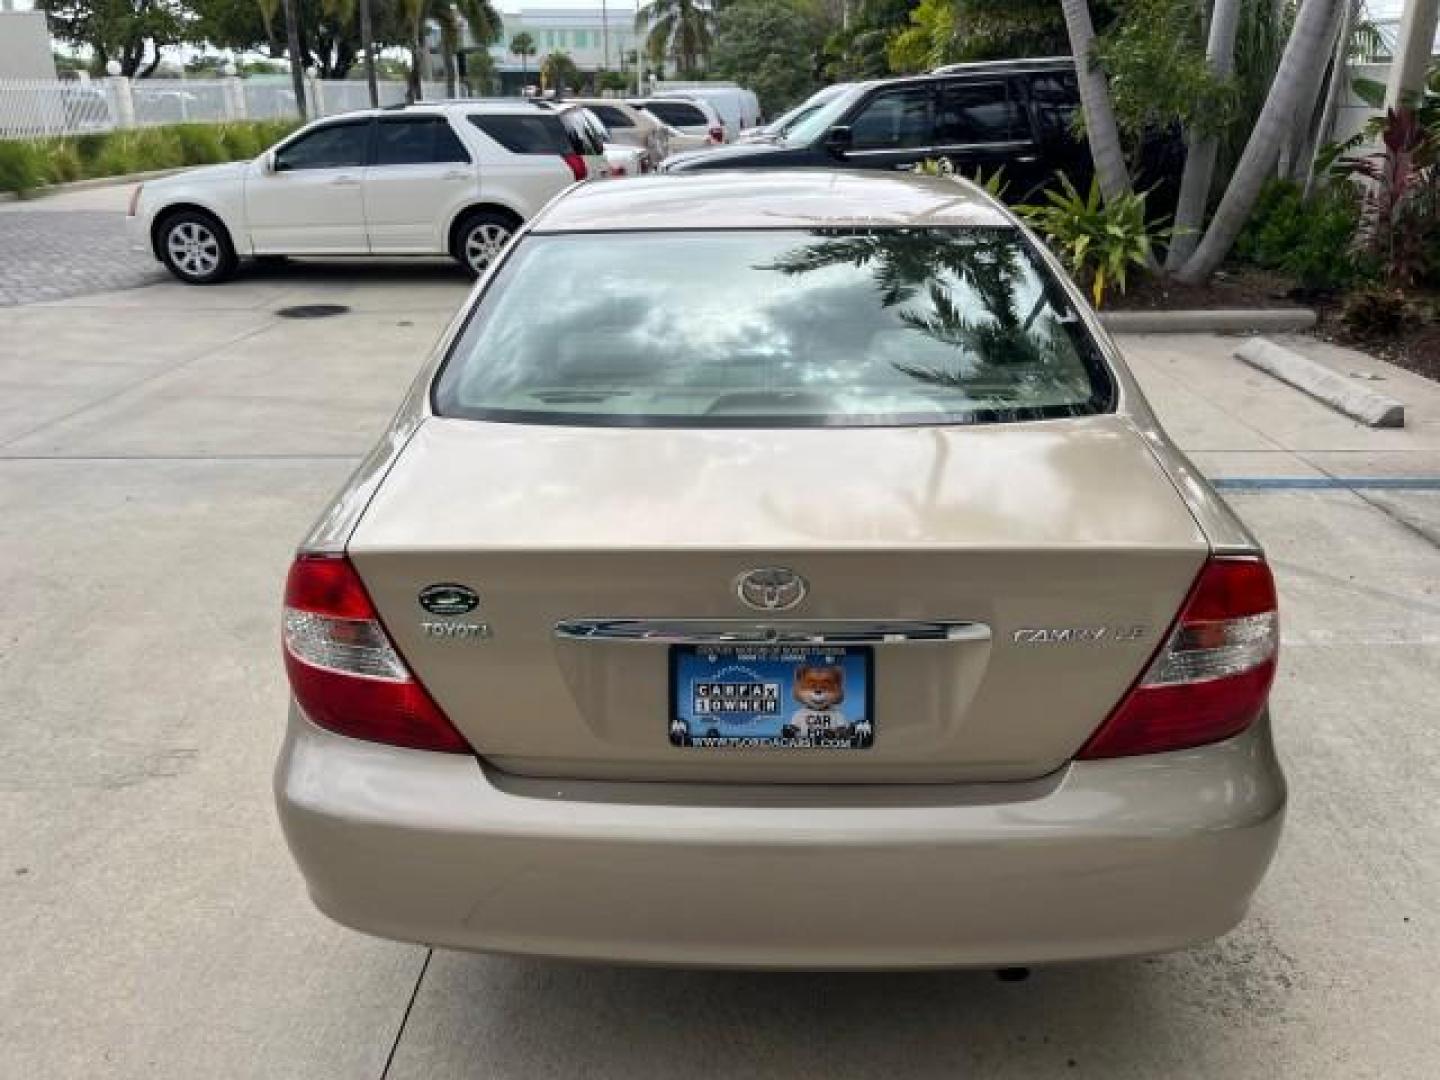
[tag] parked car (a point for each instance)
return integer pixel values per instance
(697, 119)
(1017, 115)
(626, 160)
(456, 179)
(587, 134)
(777, 128)
(737, 107)
(780, 570)
(630, 125)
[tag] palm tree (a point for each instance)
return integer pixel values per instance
(558, 72)
(1199, 171)
(523, 46)
(479, 15)
(1305, 53)
(1100, 126)
(680, 28)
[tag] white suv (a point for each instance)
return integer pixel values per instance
(453, 178)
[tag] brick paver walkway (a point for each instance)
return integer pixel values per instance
(49, 255)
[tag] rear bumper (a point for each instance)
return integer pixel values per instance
(1099, 859)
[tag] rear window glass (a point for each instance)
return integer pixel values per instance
(613, 117)
(539, 134)
(773, 328)
(677, 113)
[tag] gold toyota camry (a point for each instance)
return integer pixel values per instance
(780, 570)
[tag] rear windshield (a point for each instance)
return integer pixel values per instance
(773, 328)
(539, 134)
(677, 113)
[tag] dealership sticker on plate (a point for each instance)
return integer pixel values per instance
(810, 697)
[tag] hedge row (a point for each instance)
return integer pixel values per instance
(28, 164)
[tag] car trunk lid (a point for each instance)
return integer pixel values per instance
(1054, 555)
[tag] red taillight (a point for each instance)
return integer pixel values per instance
(577, 166)
(344, 670)
(717, 134)
(1211, 678)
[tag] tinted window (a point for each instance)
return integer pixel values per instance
(768, 328)
(977, 113)
(541, 133)
(417, 142)
(613, 117)
(1056, 99)
(337, 146)
(677, 113)
(895, 119)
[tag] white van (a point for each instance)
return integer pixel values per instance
(738, 108)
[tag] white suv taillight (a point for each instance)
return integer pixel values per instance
(344, 670)
(1212, 677)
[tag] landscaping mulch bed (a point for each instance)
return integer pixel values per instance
(1416, 349)
(1242, 288)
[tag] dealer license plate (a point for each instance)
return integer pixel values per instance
(789, 697)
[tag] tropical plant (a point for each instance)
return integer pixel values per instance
(1400, 218)
(1309, 239)
(479, 15)
(683, 29)
(1099, 240)
(523, 46)
(1375, 312)
(559, 73)
(994, 184)
(1297, 78)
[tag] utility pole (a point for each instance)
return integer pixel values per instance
(367, 42)
(604, 37)
(297, 62)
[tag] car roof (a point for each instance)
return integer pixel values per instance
(771, 199)
(1003, 67)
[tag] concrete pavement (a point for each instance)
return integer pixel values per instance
(161, 449)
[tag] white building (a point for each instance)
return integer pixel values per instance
(24, 45)
(596, 39)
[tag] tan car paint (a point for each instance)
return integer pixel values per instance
(1100, 859)
(1044, 525)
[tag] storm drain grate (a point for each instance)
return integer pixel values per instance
(312, 311)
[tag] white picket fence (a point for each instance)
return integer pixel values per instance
(36, 108)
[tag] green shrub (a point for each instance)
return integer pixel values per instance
(1375, 312)
(200, 144)
(62, 162)
(1099, 241)
(22, 166)
(1311, 241)
(29, 164)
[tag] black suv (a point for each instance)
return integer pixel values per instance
(1015, 114)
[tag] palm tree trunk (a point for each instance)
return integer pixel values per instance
(1100, 127)
(1199, 170)
(1333, 88)
(1305, 53)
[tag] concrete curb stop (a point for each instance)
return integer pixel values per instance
(1217, 321)
(1342, 395)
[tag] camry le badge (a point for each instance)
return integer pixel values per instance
(448, 599)
(770, 588)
